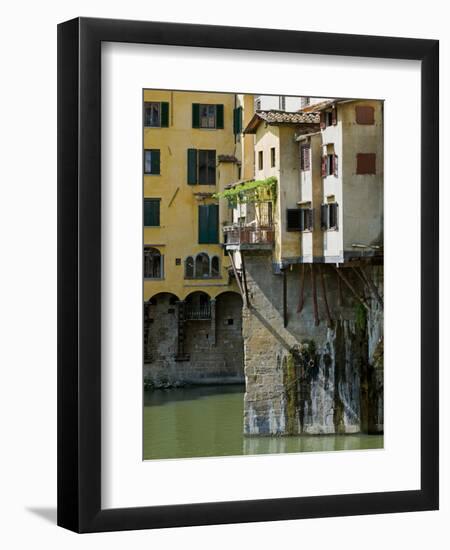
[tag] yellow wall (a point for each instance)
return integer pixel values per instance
(177, 236)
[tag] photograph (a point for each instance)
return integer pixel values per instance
(262, 274)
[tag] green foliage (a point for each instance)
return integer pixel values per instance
(361, 316)
(251, 191)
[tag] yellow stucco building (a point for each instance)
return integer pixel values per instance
(193, 146)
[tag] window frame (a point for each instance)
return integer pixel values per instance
(209, 154)
(159, 162)
(260, 160)
(208, 106)
(330, 206)
(195, 275)
(272, 157)
(161, 264)
(146, 104)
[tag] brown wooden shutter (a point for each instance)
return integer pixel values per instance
(334, 115)
(322, 120)
(324, 165)
(365, 114)
(366, 163)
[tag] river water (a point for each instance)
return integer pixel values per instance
(207, 421)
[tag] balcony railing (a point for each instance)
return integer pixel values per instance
(197, 312)
(248, 234)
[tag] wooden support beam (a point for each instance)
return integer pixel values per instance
(324, 293)
(301, 300)
(340, 296)
(352, 288)
(314, 295)
(244, 277)
(285, 317)
(372, 287)
(238, 281)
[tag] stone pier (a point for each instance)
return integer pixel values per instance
(308, 372)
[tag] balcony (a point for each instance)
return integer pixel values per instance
(248, 237)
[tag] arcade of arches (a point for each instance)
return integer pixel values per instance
(196, 340)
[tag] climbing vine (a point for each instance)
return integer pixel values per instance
(250, 192)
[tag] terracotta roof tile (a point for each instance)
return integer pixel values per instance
(281, 117)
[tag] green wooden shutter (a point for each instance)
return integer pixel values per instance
(192, 166)
(237, 120)
(195, 115)
(164, 114)
(151, 212)
(203, 224)
(219, 117)
(213, 223)
(155, 161)
(208, 224)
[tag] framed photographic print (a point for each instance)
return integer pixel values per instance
(248, 275)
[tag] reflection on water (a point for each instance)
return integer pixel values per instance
(207, 421)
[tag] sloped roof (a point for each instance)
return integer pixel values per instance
(275, 117)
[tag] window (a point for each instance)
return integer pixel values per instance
(306, 219)
(299, 219)
(152, 162)
(329, 165)
(201, 267)
(201, 167)
(329, 216)
(153, 263)
(258, 104)
(282, 102)
(189, 268)
(305, 101)
(208, 224)
(206, 167)
(215, 267)
(151, 212)
(366, 163)
(156, 114)
(260, 160)
(293, 219)
(365, 114)
(207, 116)
(328, 117)
(305, 157)
(272, 157)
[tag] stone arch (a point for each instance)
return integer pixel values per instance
(160, 328)
(197, 306)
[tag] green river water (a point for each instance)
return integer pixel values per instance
(207, 421)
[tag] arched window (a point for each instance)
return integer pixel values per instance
(215, 267)
(153, 263)
(202, 266)
(189, 267)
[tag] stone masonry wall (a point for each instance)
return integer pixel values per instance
(216, 354)
(309, 378)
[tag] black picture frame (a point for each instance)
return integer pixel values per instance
(79, 270)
